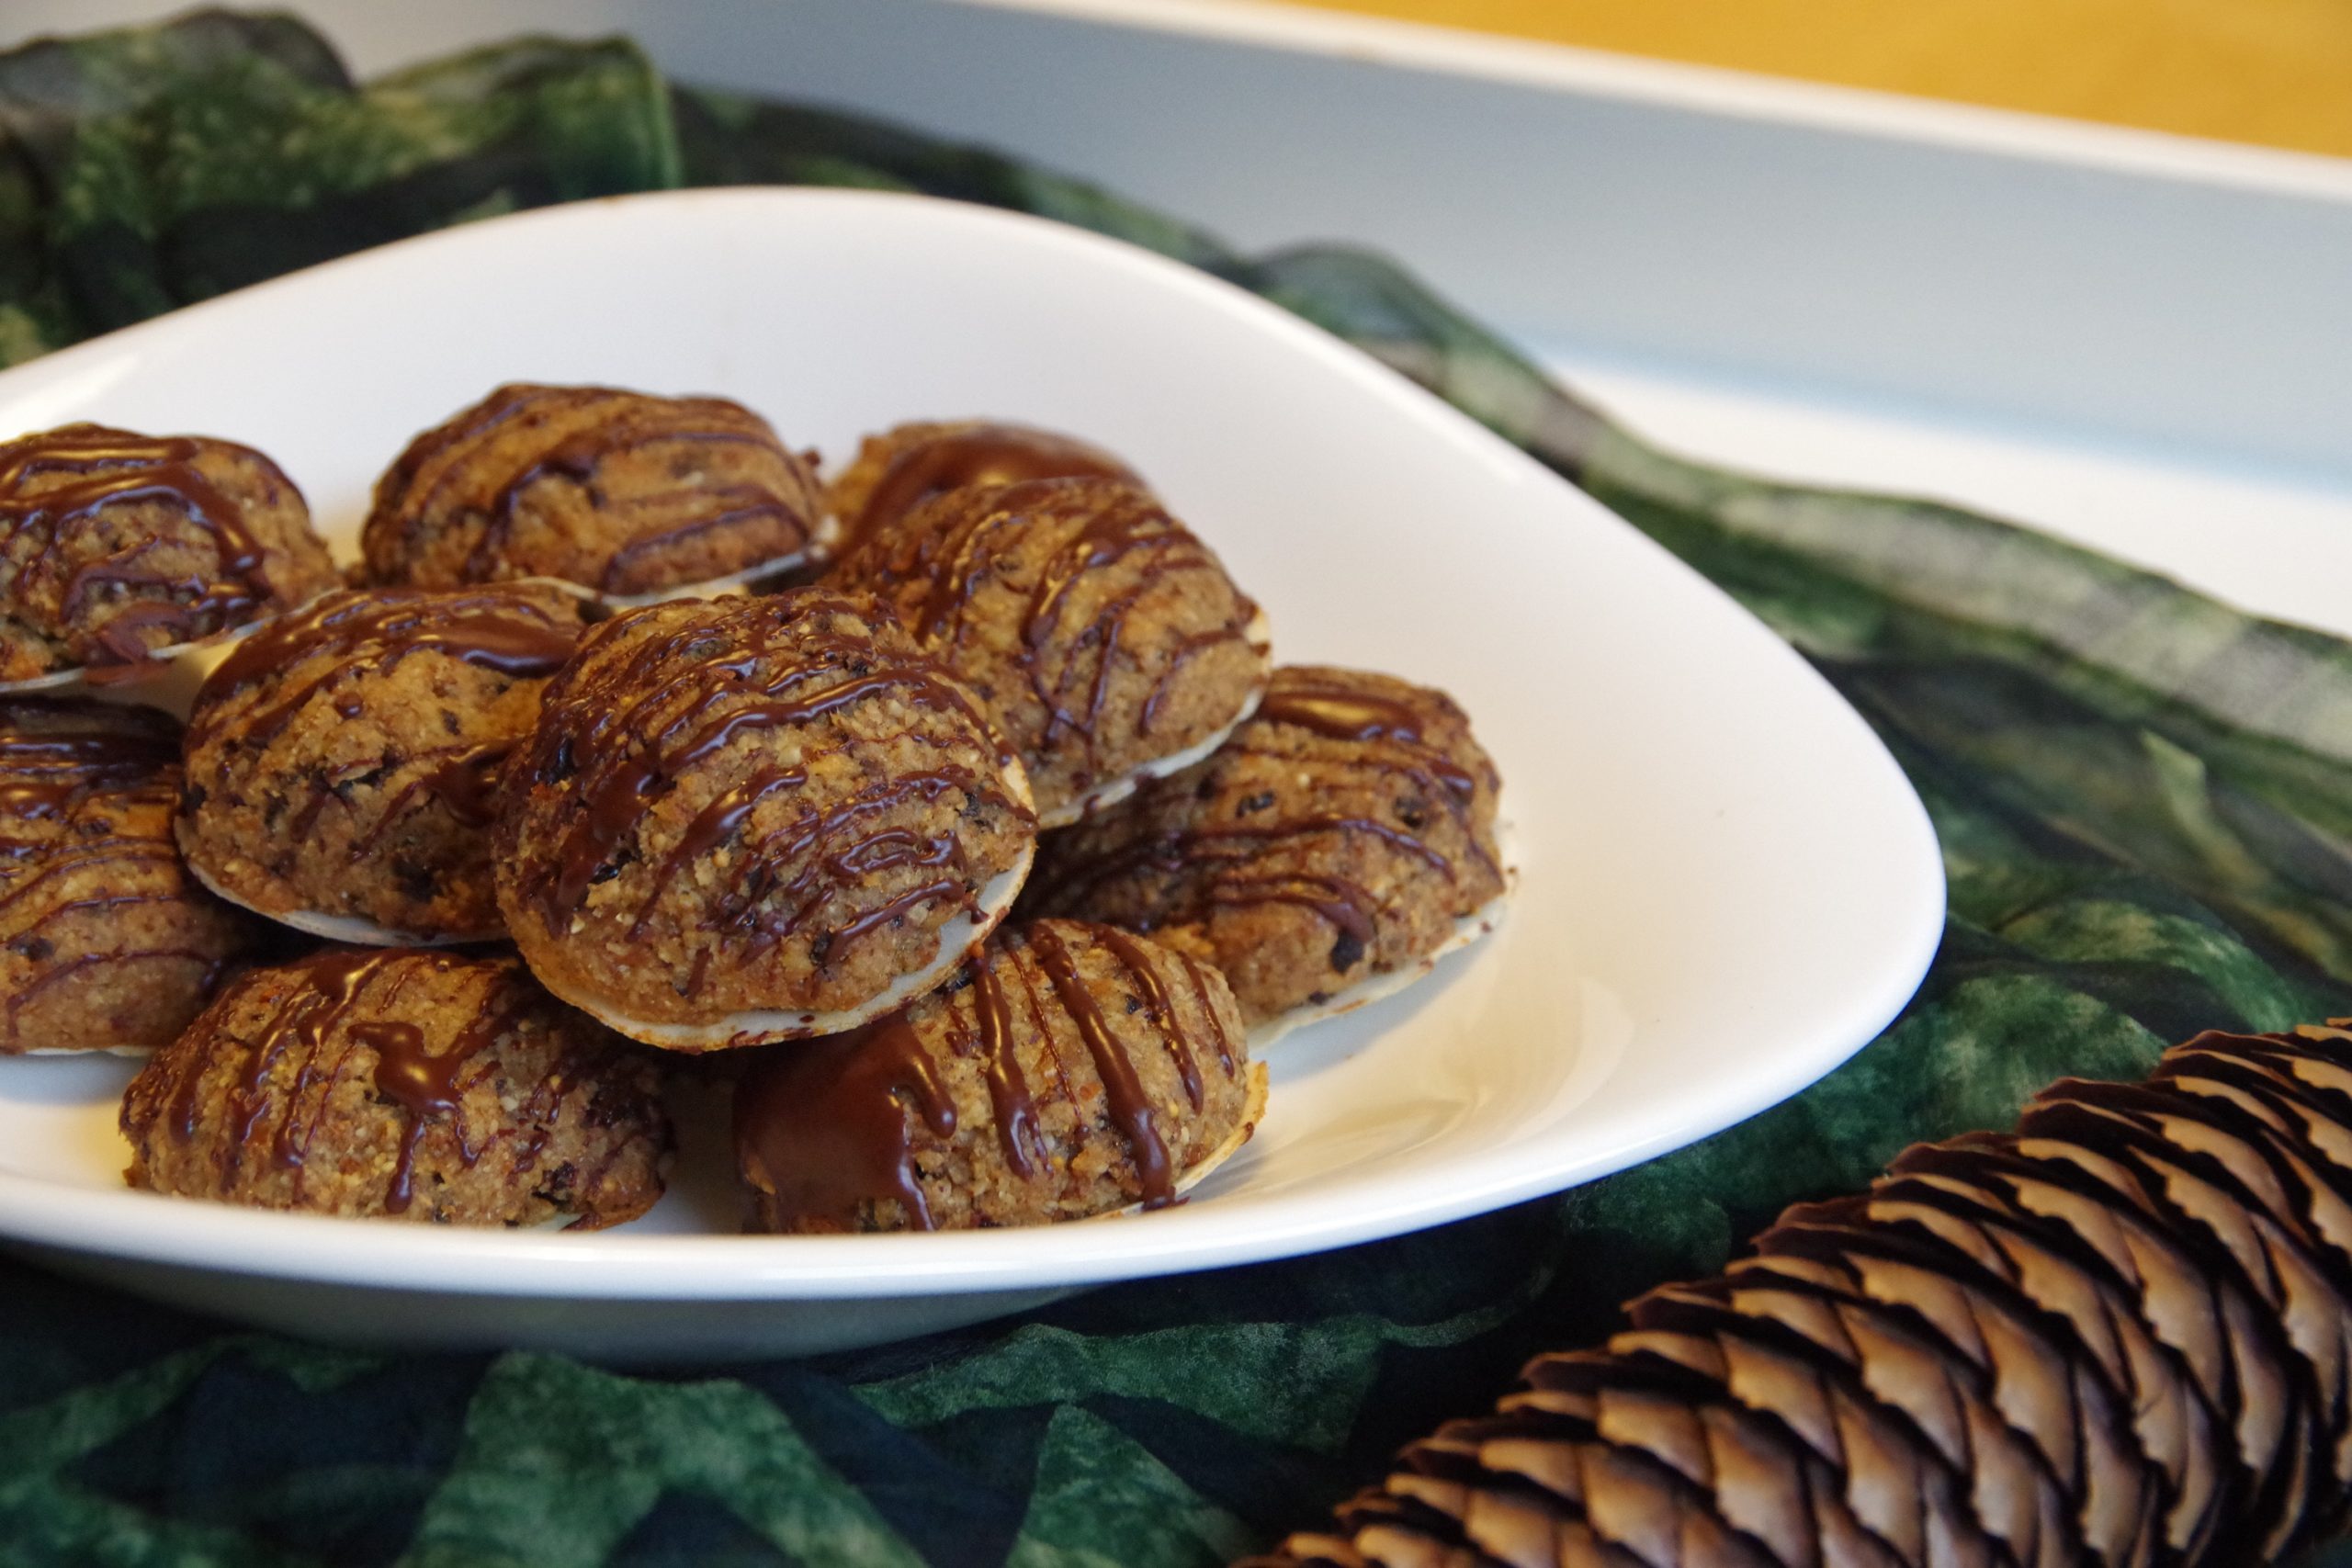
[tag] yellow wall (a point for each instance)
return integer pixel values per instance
(2276, 72)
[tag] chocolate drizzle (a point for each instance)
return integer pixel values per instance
(44, 772)
(991, 454)
(821, 1127)
(620, 732)
(1087, 552)
(86, 799)
(1156, 1000)
(327, 1010)
(1349, 713)
(1123, 1091)
(446, 479)
(830, 1131)
(367, 633)
(117, 468)
(1227, 847)
(324, 651)
(1014, 1108)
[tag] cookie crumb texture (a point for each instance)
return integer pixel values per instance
(1338, 835)
(1103, 634)
(1070, 1071)
(105, 940)
(418, 1085)
(114, 544)
(342, 760)
(907, 465)
(749, 806)
(623, 492)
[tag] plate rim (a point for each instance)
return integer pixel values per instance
(123, 1224)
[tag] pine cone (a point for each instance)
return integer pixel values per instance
(2119, 1334)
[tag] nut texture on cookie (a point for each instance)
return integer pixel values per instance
(1106, 638)
(1067, 1070)
(105, 940)
(115, 545)
(416, 1085)
(752, 820)
(1345, 834)
(626, 492)
(340, 762)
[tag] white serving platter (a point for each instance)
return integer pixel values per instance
(1726, 885)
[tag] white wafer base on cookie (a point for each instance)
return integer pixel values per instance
(1112, 791)
(820, 547)
(1373, 988)
(957, 938)
(354, 929)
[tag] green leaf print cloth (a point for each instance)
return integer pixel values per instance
(2145, 799)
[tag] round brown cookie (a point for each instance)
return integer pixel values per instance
(1067, 1070)
(105, 940)
(1106, 638)
(114, 546)
(756, 819)
(340, 761)
(419, 1085)
(624, 492)
(1340, 838)
(907, 465)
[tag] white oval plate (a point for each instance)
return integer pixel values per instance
(1726, 886)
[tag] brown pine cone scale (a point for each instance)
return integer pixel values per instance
(2121, 1334)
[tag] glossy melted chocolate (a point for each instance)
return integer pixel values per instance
(115, 468)
(829, 1130)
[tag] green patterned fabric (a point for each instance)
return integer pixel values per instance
(2145, 799)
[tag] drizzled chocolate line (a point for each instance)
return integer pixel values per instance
(1130, 1108)
(1339, 713)
(1159, 1003)
(824, 1128)
(344, 638)
(83, 784)
(44, 772)
(369, 632)
(119, 468)
(1010, 1101)
(629, 423)
(312, 1033)
(980, 454)
(1067, 668)
(1390, 738)
(780, 669)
